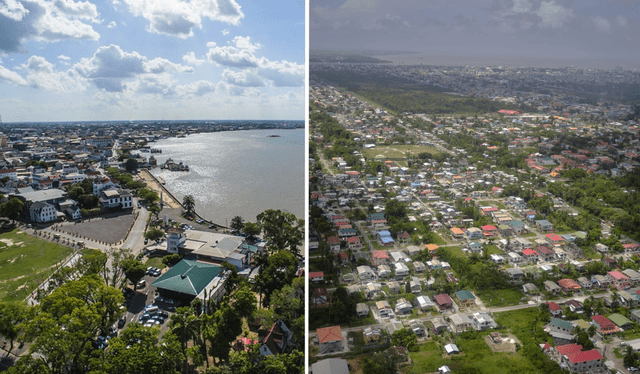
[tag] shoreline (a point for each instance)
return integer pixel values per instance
(168, 199)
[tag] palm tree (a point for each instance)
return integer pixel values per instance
(189, 204)
(186, 326)
(237, 223)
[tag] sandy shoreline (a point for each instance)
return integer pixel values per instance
(153, 185)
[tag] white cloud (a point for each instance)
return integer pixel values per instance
(190, 58)
(41, 74)
(12, 76)
(283, 73)
(47, 21)
(179, 18)
(13, 10)
(244, 78)
(112, 24)
(110, 67)
(241, 55)
(63, 57)
(602, 24)
(198, 88)
(225, 32)
(553, 15)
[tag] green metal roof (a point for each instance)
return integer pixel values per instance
(619, 319)
(465, 295)
(561, 323)
(188, 277)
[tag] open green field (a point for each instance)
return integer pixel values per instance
(437, 238)
(398, 151)
(24, 262)
(503, 297)
(476, 357)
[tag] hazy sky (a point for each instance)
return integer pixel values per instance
(151, 59)
(570, 30)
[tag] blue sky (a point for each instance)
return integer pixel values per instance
(594, 33)
(68, 60)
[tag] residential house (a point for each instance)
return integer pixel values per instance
(393, 286)
(417, 327)
(403, 306)
(384, 271)
(544, 225)
(551, 286)
(365, 272)
(330, 366)
(554, 239)
(605, 325)
(474, 247)
(316, 276)
(415, 285)
(514, 274)
(354, 242)
(439, 325)
(632, 275)
(419, 267)
(601, 281)
(330, 339)
(635, 315)
(401, 269)
(460, 322)
(585, 283)
(497, 258)
(621, 321)
(275, 340)
(530, 255)
(482, 321)
(380, 257)
(362, 310)
(42, 212)
(424, 303)
(383, 309)
(404, 237)
(334, 243)
(457, 233)
(560, 325)
(619, 280)
(569, 285)
(116, 198)
(443, 301)
(474, 233)
(546, 254)
(530, 289)
(466, 298)
(554, 309)
(574, 306)
(631, 247)
(585, 361)
(371, 335)
(514, 258)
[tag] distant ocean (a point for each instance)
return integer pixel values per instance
(237, 173)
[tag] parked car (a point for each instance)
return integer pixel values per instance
(141, 284)
(121, 322)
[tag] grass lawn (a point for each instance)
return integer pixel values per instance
(398, 151)
(456, 251)
(528, 235)
(436, 239)
(493, 297)
(24, 262)
(494, 249)
(155, 262)
(476, 357)
(591, 253)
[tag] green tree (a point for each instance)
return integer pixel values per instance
(170, 260)
(237, 223)
(12, 208)
(134, 270)
(404, 338)
(11, 317)
(154, 234)
(186, 327)
(244, 301)
(92, 261)
(277, 271)
(131, 164)
(252, 230)
(282, 230)
(189, 204)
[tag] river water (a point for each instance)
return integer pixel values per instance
(237, 173)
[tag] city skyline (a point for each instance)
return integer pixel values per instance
(68, 60)
(587, 34)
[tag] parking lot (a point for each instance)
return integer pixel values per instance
(139, 305)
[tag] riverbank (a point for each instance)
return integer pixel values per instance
(154, 185)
